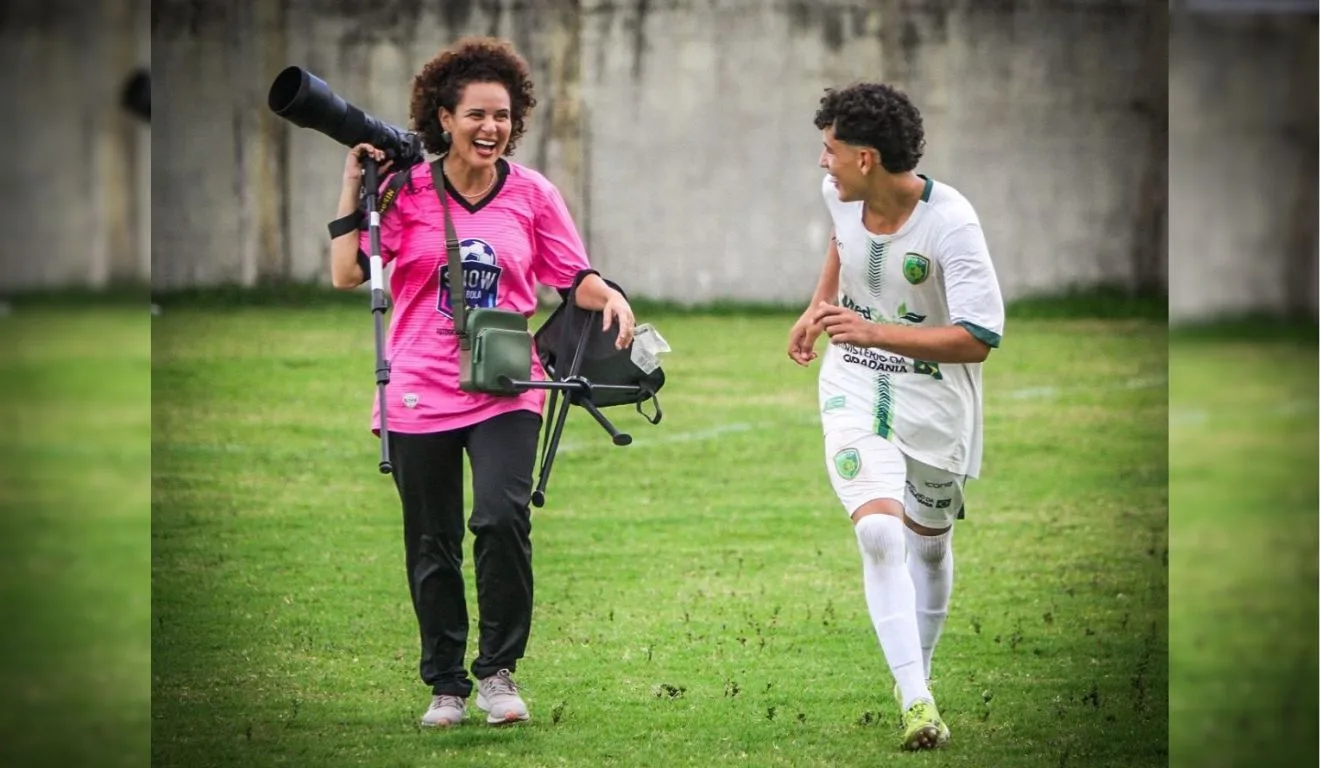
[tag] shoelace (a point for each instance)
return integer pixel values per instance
(500, 683)
(920, 710)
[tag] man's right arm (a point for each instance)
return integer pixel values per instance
(802, 337)
(827, 287)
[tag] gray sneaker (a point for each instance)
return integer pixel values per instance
(444, 711)
(498, 697)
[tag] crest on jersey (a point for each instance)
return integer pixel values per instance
(916, 268)
(848, 463)
(481, 276)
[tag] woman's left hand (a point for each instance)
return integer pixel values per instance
(617, 309)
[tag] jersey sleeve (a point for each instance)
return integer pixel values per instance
(559, 254)
(970, 284)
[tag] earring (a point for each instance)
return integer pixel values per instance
(445, 135)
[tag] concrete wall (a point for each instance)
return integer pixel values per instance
(680, 132)
(1242, 164)
(718, 105)
(77, 195)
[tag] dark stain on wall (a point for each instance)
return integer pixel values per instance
(455, 13)
(495, 10)
(42, 15)
(394, 21)
(639, 37)
(202, 19)
(807, 16)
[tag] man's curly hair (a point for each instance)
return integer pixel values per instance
(470, 60)
(875, 115)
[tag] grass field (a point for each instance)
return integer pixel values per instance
(698, 593)
(75, 537)
(1243, 577)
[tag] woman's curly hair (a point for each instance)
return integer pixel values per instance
(879, 116)
(470, 60)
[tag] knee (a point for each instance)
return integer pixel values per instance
(441, 548)
(502, 513)
(881, 538)
(930, 549)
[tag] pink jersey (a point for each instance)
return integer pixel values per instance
(520, 236)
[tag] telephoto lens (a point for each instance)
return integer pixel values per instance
(307, 101)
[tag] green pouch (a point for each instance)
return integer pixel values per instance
(501, 346)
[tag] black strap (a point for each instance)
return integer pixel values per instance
(457, 296)
(345, 224)
(392, 187)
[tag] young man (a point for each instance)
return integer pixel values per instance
(910, 302)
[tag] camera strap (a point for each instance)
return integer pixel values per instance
(457, 294)
(396, 182)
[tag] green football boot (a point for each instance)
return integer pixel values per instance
(922, 726)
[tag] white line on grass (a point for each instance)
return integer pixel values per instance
(1029, 393)
(1195, 417)
(1039, 393)
(645, 439)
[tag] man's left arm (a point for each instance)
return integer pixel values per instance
(945, 344)
(976, 310)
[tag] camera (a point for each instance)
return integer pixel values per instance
(306, 101)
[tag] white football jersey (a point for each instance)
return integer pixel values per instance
(935, 271)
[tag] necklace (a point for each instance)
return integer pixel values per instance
(476, 195)
(483, 192)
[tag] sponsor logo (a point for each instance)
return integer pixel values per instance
(906, 315)
(481, 276)
(927, 501)
(847, 303)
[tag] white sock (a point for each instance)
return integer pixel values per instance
(891, 601)
(930, 563)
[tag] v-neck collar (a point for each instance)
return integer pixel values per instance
(501, 173)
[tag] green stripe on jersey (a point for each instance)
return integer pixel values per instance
(884, 405)
(875, 269)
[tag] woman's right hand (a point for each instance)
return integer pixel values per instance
(353, 164)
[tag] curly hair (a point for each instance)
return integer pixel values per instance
(879, 116)
(470, 60)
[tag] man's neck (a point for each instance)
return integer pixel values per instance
(891, 202)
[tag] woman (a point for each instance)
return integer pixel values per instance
(469, 106)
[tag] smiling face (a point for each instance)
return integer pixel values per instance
(480, 124)
(848, 165)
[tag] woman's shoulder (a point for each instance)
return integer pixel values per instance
(401, 189)
(419, 175)
(529, 178)
(407, 181)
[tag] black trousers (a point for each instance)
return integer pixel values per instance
(428, 472)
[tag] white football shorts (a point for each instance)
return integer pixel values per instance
(864, 466)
